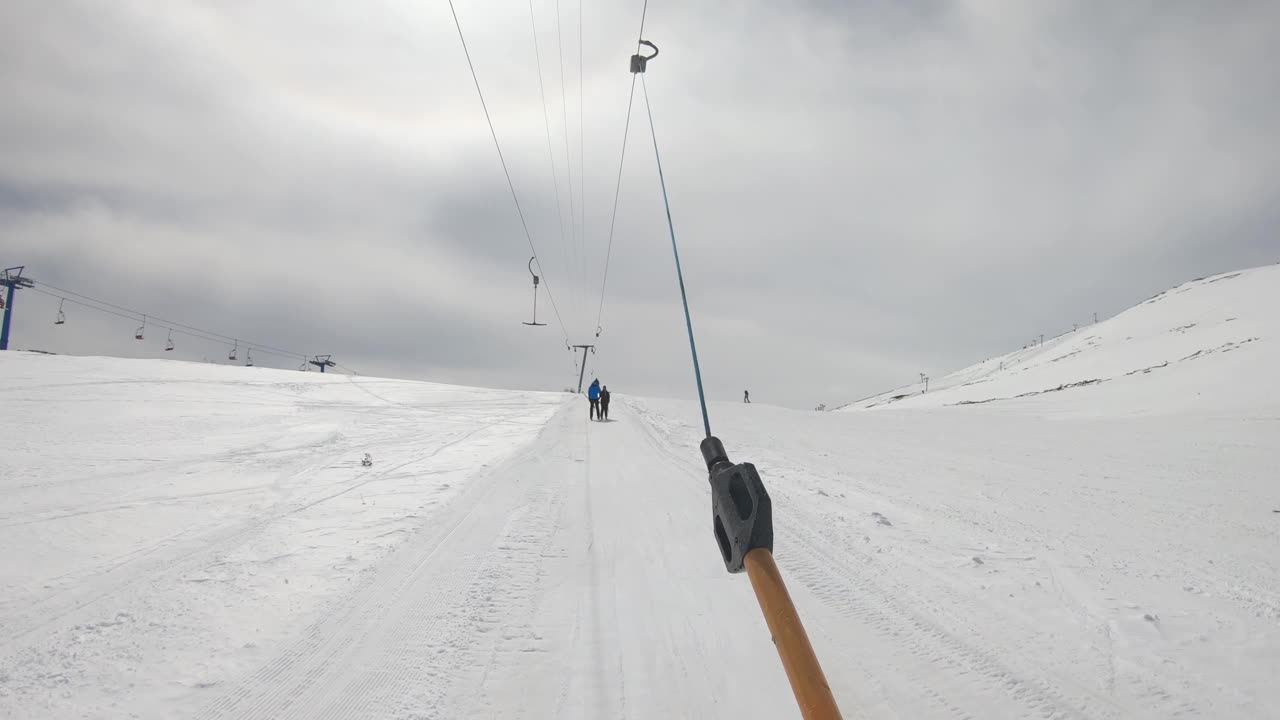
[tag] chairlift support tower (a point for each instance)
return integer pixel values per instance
(582, 372)
(12, 280)
(322, 362)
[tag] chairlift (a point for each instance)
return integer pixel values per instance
(535, 295)
(232, 355)
(168, 344)
(137, 334)
(62, 317)
(248, 358)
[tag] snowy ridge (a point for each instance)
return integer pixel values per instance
(1202, 337)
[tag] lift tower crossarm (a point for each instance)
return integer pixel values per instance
(583, 371)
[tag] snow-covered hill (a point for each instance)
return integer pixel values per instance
(169, 525)
(1211, 342)
(198, 541)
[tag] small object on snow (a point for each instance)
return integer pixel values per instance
(881, 519)
(977, 560)
(367, 461)
(1151, 618)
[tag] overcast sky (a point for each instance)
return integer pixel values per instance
(862, 191)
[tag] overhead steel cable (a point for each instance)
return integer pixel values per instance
(613, 216)
(568, 159)
(582, 170)
(505, 171)
(172, 324)
(551, 155)
(675, 251)
(151, 320)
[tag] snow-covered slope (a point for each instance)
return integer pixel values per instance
(195, 541)
(169, 525)
(1216, 338)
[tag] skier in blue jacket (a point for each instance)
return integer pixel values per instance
(593, 394)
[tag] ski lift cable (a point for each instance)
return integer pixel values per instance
(568, 161)
(582, 169)
(152, 321)
(675, 251)
(613, 218)
(551, 156)
(507, 172)
(162, 321)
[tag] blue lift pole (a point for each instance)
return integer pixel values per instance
(11, 279)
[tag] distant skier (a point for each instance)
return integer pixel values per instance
(593, 394)
(746, 396)
(604, 403)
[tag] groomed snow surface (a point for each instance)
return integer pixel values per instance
(195, 541)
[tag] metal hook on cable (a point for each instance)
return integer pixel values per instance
(640, 62)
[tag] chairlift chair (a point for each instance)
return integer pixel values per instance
(168, 343)
(248, 358)
(137, 334)
(62, 317)
(232, 355)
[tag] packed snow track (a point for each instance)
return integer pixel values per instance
(186, 540)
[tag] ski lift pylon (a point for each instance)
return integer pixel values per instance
(535, 322)
(62, 317)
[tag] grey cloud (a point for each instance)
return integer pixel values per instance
(862, 191)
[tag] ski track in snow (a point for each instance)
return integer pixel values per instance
(1017, 588)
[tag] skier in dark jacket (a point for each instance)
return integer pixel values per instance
(604, 403)
(593, 394)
